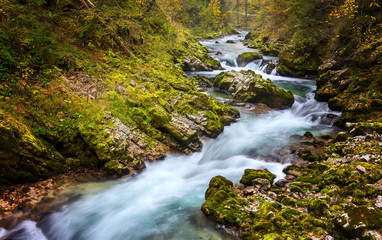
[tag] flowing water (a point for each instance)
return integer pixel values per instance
(164, 201)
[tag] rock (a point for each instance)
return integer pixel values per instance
(330, 83)
(249, 87)
(249, 190)
(297, 65)
(358, 218)
(359, 129)
(230, 41)
(290, 177)
(120, 147)
(218, 53)
(251, 175)
(270, 68)
(361, 169)
(194, 57)
(260, 108)
(378, 202)
(118, 167)
(23, 156)
(216, 42)
(308, 135)
(269, 50)
(328, 237)
(262, 184)
(373, 235)
(244, 58)
(341, 136)
(218, 191)
(379, 185)
(195, 64)
(204, 81)
(329, 119)
(316, 207)
(281, 182)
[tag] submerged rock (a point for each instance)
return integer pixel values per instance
(249, 87)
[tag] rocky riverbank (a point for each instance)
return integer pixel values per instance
(336, 194)
(106, 97)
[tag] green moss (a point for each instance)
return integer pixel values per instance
(356, 219)
(252, 174)
(288, 201)
(247, 57)
(308, 155)
(117, 167)
(300, 186)
(317, 207)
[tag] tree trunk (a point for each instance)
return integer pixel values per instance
(246, 12)
(238, 10)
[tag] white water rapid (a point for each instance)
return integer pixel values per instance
(164, 201)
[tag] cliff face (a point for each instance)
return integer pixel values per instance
(98, 88)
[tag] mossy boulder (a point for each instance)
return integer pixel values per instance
(270, 68)
(269, 50)
(244, 58)
(23, 156)
(194, 57)
(247, 86)
(251, 176)
(297, 65)
(222, 203)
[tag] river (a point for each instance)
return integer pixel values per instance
(164, 201)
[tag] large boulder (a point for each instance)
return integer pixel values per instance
(249, 87)
(23, 156)
(247, 57)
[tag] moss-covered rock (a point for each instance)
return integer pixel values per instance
(193, 57)
(23, 156)
(252, 174)
(295, 65)
(244, 58)
(355, 220)
(249, 87)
